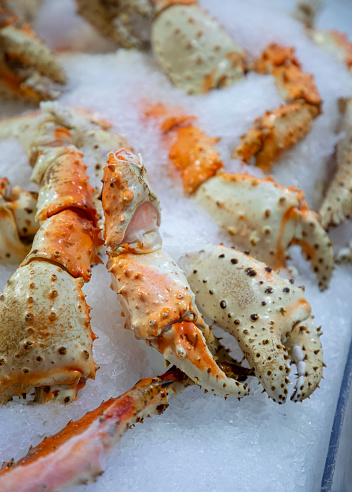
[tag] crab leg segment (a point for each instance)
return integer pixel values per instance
(280, 129)
(46, 338)
(17, 222)
(262, 311)
(77, 455)
(27, 67)
(156, 298)
(266, 218)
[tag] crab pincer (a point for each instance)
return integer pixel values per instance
(155, 296)
(269, 317)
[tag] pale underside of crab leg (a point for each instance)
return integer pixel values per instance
(77, 455)
(337, 204)
(194, 50)
(27, 67)
(263, 312)
(265, 218)
(280, 129)
(155, 296)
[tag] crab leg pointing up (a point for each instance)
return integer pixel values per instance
(156, 298)
(46, 339)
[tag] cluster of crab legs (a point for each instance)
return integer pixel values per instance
(268, 316)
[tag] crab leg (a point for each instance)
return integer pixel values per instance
(46, 338)
(17, 222)
(260, 215)
(264, 313)
(27, 67)
(156, 298)
(77, 454)
(279, 130)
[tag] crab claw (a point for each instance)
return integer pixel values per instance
(263, 312)
(265, 218)
(194, 50)
(155, 296)
(27, 67)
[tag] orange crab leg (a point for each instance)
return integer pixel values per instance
(76, 455)
(191, 150)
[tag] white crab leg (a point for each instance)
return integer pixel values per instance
(194, 50)
(261, 310)
(265, 218)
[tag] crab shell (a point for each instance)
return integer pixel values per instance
(337, 204)
(18, 225)
(46, 339)
(130, 196)
(157, 301)
(265, 218)
(262, 311)
(194, 50)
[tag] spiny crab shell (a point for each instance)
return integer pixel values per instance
(266, 218)
(45, 334)
(264, 312)
(194, 50)
(155, 295)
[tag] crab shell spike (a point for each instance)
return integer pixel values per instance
(265, 218)
(306, 352)
(132, 210)
(274, 133)
(337, 204)
(64, 184)
(42, 312)
(69, 239)
(260, 309)
(194, 50)
(77, 454)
